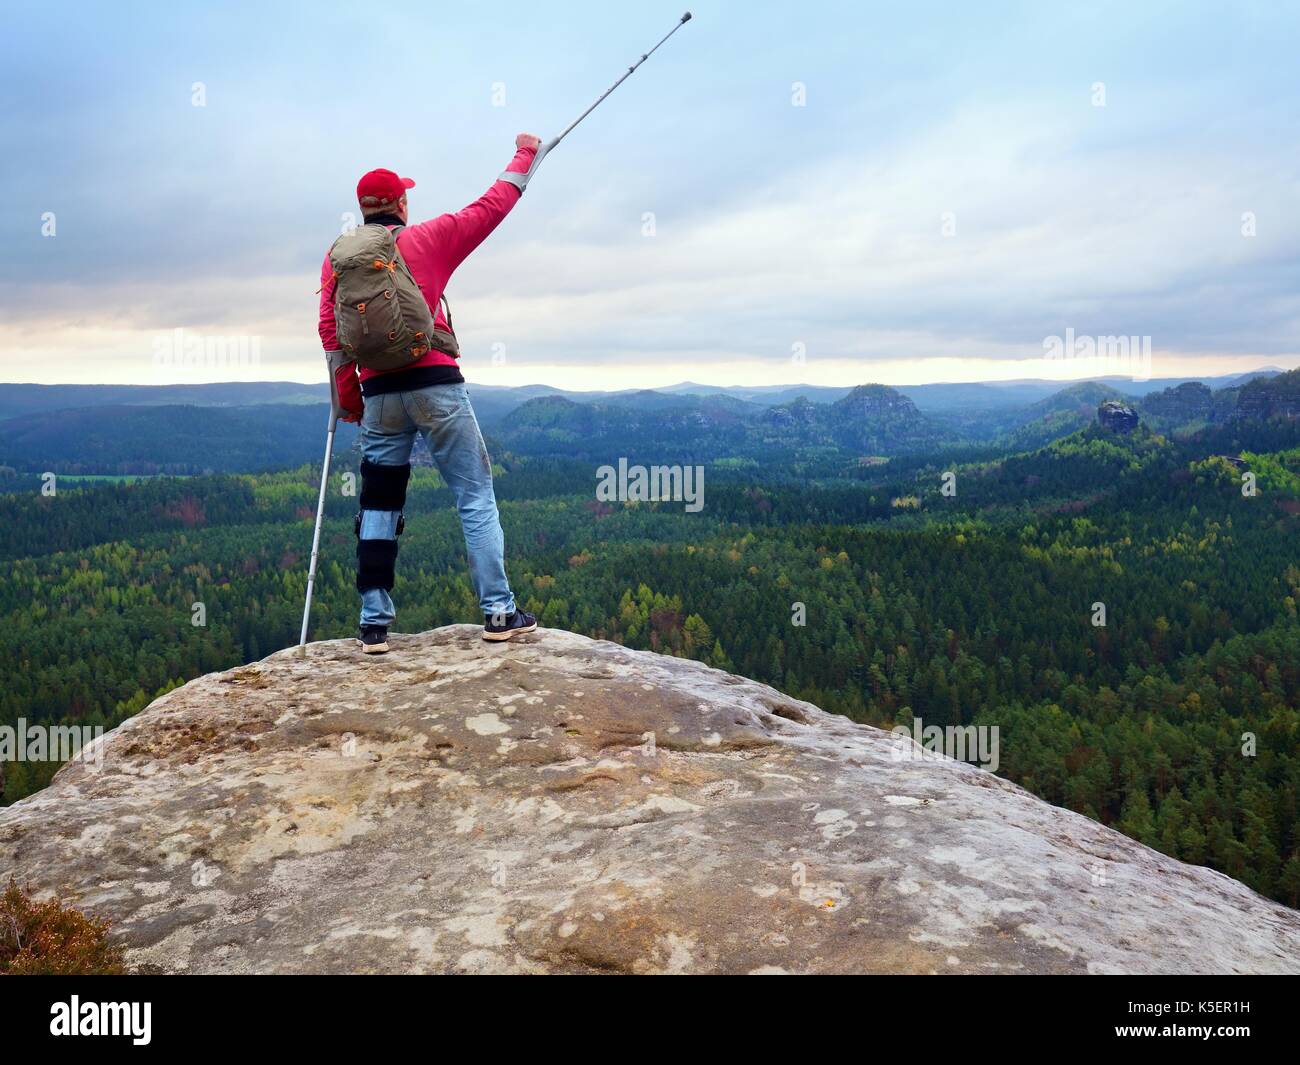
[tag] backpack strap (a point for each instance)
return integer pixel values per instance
(442, 341)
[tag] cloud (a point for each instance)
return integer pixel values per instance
(773, 226)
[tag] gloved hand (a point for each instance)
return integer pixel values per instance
(347, 386)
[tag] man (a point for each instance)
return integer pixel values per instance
(426, 397)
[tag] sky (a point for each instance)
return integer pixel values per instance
(831, 193)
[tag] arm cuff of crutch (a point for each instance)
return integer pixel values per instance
(518, 180)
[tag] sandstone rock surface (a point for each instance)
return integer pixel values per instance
(563, 805)
(1117, 417)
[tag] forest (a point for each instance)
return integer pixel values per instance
(1176, 722)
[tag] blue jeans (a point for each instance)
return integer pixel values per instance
(443, 415)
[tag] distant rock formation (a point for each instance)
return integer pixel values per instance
(1188, 402)
(876, 401)
(871, 419)
(563, 805)
(799, 412)
(1116, 417)
(1263, 398)
(876, 418)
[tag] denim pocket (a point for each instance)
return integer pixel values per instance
(392, 418)
(440, 401)
(372, 415)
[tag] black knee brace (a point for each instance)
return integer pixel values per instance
(382, 488)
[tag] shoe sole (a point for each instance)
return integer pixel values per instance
(373, 648)
(497, 637)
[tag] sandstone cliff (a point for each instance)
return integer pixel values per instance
(1117, 417)
(1270, 397)
(563, 805)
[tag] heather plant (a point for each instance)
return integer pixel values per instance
(50, 939)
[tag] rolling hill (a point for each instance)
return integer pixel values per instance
(238, 427)
(168, 439)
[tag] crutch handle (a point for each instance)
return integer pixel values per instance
(335, 360)
(537, 159)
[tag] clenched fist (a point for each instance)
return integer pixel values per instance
(527, 140)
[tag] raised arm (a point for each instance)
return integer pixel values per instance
(449, 238)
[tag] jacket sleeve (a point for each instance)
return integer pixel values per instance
(449, 238)
(345, 377)
(328, 337)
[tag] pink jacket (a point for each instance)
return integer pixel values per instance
(432, 250)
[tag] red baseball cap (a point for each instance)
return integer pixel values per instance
(382, 188)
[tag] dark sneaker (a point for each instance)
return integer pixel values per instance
(373, 639)
(504, 628)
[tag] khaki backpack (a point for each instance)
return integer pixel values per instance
(380, 314)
